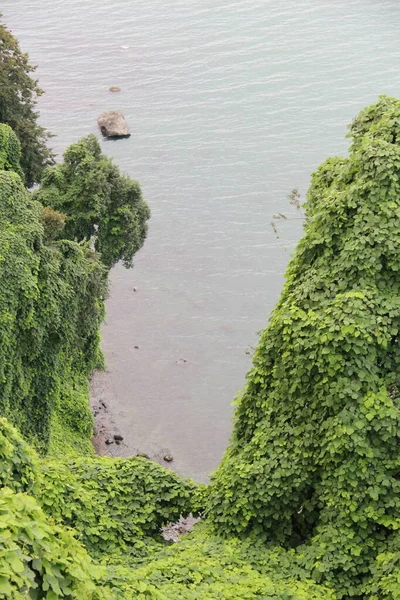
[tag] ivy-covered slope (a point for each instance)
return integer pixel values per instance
(314, 457)
(51, 305)
(116, 505)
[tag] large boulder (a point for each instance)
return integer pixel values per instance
(112, 123)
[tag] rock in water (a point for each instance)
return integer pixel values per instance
(112, 123)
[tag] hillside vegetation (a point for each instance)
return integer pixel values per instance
(305, 504)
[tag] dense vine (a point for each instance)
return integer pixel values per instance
(114, 504)
(51, 306)
(306, 502)
(10, 151)
(314, 460)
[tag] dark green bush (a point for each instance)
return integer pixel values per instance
(18, 97)
(101, 205)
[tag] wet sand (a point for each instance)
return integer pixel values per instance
(108, 439)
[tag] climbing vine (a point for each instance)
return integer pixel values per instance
(313, 461)
(51, 306)
(10, 151)
(306, 501)
(115, 505)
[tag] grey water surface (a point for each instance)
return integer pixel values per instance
(231, 105)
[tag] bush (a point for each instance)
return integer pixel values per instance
(37, 559)
(115, 503)
(101, 205)
(10, 151)
(205, 567)
(18, 462)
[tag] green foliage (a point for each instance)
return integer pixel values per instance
(18, 462)
(39, 560)
(51, 306)
(385, 581)
(314, 461)
(10, 151)
(306, 502)
(99, 202)
(18, 97)
(71, 424)
(205, 567)
(115, 503)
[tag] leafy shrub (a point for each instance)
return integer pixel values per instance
(10, 151)
(37, 559)
(53, 222)
(18, 462)
(385, 581)
(114, 503)
(205, 567)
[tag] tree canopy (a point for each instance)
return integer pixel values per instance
(100, 204)
(19, 92)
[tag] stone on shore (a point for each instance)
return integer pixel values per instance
(112, 123)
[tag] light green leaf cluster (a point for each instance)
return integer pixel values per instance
(10, 151)
(204, 567)
(18, 462)
(39, 559)
(115, 504)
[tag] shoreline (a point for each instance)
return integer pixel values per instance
(107, 438)
(104, 430)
